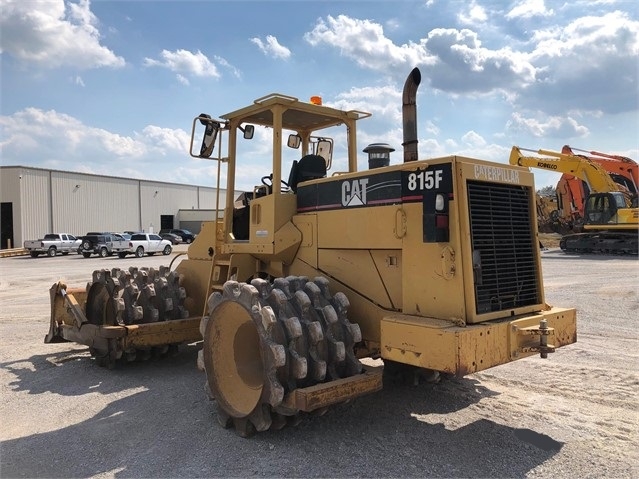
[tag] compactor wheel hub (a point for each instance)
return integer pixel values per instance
(144, 295)
(262, 341)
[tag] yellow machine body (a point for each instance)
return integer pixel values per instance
(432, 264)
(458, 303)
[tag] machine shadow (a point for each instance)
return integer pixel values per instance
(162, 424)
(51, 372)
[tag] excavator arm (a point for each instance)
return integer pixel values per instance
(623, 170)
(596, 176)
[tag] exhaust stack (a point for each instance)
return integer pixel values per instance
(409, 115)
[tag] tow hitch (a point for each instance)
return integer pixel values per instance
(526, 339)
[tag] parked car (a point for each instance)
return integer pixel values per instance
(143, 243)
(186, 235)
(96, 243)
(52, 244)
(122, 236)
(173, 238)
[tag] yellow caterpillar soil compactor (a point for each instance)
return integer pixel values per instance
(430, 265)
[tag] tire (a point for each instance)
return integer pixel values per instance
(51, 252)
(86, 255)
(150, 254)
(188, 241)
(139, 252)
(121, 255)
(103, 253)
(34, 254)
(64, 253)
(167, 250)
(86, 245)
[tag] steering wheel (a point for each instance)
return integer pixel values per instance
(268, 182)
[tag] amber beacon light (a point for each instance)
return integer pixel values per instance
(316, 100)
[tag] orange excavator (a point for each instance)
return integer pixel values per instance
(573, 191)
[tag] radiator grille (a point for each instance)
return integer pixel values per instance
(504, 264)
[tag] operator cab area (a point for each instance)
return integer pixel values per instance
(306, 155)
(309, 167)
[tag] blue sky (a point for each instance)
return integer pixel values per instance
(111, 87)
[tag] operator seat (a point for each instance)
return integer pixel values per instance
(309, 167)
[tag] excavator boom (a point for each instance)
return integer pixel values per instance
(623, 170)
(596, 176)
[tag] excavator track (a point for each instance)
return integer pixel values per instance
(119, 297)
(603, 242)
(263, 341)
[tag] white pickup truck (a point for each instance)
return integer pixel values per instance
(141, 244)
(52, 244)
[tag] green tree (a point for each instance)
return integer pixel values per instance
(547, 191)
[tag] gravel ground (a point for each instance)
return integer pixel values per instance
(572, 415)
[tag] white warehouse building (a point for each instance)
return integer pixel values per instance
(37, 201)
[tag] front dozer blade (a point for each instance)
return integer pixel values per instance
(66, 308)
(69, 322)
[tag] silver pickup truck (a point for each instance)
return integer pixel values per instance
(141, 244)
(52, 244)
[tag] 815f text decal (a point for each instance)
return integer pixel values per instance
(424, 180)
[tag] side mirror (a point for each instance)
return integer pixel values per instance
(324, 148)
(248, 131)
(294, 141)
(210, 135)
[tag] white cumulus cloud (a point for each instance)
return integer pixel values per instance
(60, 140)
(550, 127)
(271, 47)
(452, 60)
(53, 34)
(529, 8)
(590, 64)
(473, 14)
(364, 41)
(184, 62)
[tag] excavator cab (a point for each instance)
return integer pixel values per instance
(602, 208)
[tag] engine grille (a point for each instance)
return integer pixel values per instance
(504, 264)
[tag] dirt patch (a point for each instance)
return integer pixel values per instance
(550, 240)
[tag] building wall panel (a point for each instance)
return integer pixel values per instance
(35, 205)
(208, 197)
(164, 199)
(84, 203)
